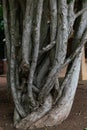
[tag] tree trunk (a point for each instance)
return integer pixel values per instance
(37, 35)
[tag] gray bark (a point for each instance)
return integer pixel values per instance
(37, 40)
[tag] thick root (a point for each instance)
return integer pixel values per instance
(62, 110)
(46, 116)
(35, 116)
(53, 118)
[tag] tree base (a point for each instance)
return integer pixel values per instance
(54, 117)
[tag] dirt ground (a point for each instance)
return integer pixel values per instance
(77, 119)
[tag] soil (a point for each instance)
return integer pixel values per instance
(77, 119)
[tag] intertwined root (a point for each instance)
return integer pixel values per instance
(37, 34)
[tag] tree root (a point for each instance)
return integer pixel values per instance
(48, 116)
(35, 116)
(53, 118)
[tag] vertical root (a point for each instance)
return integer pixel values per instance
(36, 51)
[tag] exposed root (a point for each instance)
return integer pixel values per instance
(35, 116)
(54, 117)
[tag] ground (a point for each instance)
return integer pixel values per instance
(77, 119)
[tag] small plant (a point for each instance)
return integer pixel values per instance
(85, 129)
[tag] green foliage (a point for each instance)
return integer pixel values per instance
(85, 129)
(68, 1)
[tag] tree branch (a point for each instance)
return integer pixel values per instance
(61, 48)
(36, 50)
(27, 25)
(42, 72)
(71, 17)
(48, 47)
(80, 12)
(53, 22)
(18, 106)
(62, 34)
(50, 81)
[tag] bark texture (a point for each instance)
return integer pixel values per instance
(37, 38)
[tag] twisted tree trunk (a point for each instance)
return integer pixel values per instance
(37, 34)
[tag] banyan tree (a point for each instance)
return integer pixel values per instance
(42, 38)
